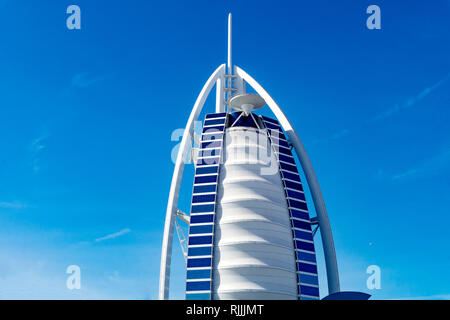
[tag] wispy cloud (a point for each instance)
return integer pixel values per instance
(37, 146)
(409, 103)
(113, 235)
(432, 165)
(83, 80)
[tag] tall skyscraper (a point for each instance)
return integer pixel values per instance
(250, 232)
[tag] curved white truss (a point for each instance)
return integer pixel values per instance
(218, 79)
(172, 205)
(319, 203)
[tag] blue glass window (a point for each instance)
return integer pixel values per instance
(212, 136)
(209, 153)
(202, 218)
(206, 170)
(269, 119)
(299, 214)
(197, 263)
(198, 285)
(291, 176)
(208, 161)
(205, 189)
(206, 179)
(286, 158)
(214, 121)
(198, 296)
(201, 229)
(305, 235)
(211, 144)
(296, 195)
(204, 198)
(298, 204)
(305, 256)
(272, 126)
(212, 129)
(309, 291)
(215, 115)
(309, 279)
(302, 225)
(293, 185)
(288, 167)
(306, 267)
(280, 142)
(198, 274)
(202, 208)
(304, 245)
(200, 251)
(282, 150)
(200, 240)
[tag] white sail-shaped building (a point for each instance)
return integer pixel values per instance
(250, 231)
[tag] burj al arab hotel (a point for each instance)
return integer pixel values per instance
(250, 232)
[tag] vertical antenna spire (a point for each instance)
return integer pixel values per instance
(230, 68)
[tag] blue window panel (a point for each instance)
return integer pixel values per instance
(282, 150)
(204, 198)
(211, 144)
(288, 167)
(212, 136)
(286, 159)
(199, 274)
(306, 267)
(206, 170)
(216, 115)
(209, 153)
(280, 142)
(304, 235)
(202, 208)
(298, 204)
(291, 176)
(309, 298)
(296, 195)
(208, 161)
(198, 285)
(205, 189)
(272, 126)
(205, 218)
(198, 296)
(308, 279)
(304, 245)
(201, 229)
(206, 179)
(199, 251)
(305, 256)
(293, 185)
(193, 240)
(270, 119)
(201, 262)
(309, 291)
(302, 225)
(212, 129)
(214, 121)
(299, 214)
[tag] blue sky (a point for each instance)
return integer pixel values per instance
(86, 118)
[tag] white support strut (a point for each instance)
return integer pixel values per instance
(316, 193)
(172, 205)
